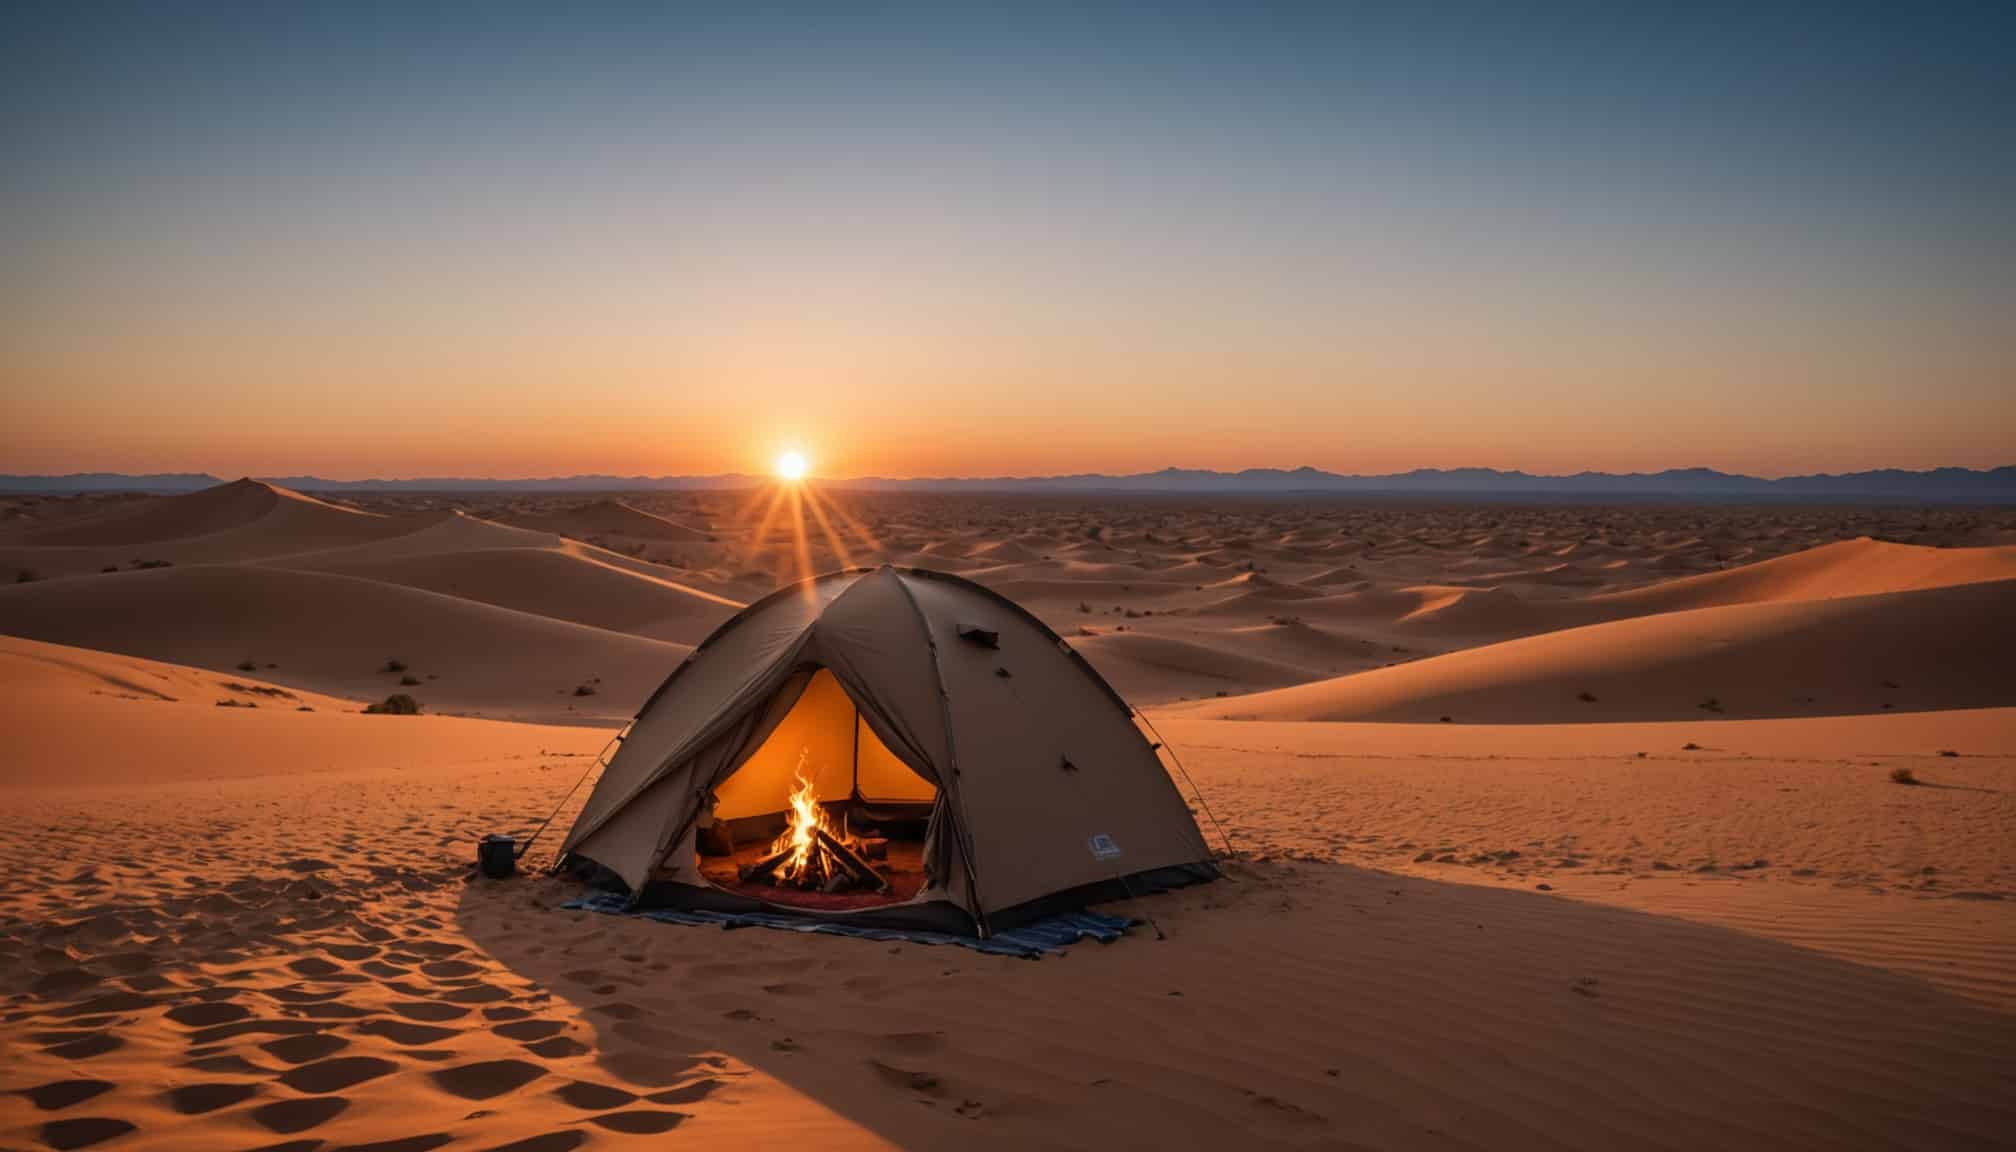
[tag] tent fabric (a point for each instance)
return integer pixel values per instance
(841, 753)
(898, 685)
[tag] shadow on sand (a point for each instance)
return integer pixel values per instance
(1291, 1005)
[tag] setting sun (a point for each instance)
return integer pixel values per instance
(792, 466)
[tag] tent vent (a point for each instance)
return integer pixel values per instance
(984, 637)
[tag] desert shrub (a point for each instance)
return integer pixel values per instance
(1711, 704)
(27, 576)
(1904, 776)
(397, 704)
(247, 666)
(408, 681)
(1690, 746)
(584, 690)
(142, 564)
(1586, 697)
(109, 568)
(1949, 752)
(394, 666)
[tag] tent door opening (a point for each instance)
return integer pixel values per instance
(821, 814)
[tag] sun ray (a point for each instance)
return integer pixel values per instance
(755, 542)
(745, 510)
(833, 541)
(848, 522)
(801, 547)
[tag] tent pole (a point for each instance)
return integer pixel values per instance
(854, 789)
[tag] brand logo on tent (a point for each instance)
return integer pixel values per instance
(1103, 847)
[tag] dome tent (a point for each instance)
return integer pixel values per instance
(1027, 772)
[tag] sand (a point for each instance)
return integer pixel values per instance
(1549, 923)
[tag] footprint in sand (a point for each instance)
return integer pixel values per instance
(60, 1094)
(206, 1015)
(526, 1031)
(227, 1065)
(77, 1045)
(295, 994)
(488, 1078)
(688, 1093)
(564, 1141)
(302, 1049)
(290, 1116)
(409, 1034)
(196, 1099)
(422, 1143)
(477, 993)
(638, 1123)
(920, 1082)
(589, 1097)
(326, 1076)
(430, 1010)
(83, 1131)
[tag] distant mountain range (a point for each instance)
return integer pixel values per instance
(1994, 485)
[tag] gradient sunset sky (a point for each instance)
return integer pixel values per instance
(493, 239)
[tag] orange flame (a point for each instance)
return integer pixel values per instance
(806, 820)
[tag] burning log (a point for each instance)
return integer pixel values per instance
(863, 872)
(809, 855)
(767, 866)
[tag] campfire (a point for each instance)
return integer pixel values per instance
(814, 855)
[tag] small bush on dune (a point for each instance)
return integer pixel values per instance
(247, 666)
(27, 576)
(408, 681)
(1904, 776)
(397, 704)
(394, 666)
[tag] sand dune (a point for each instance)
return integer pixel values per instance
(1145, 667)
(76, 717)
(235, 522)
(1850, 568)
(601, 518)
(220, 509)
(551, 582)
(1909, 651)
(332, 633)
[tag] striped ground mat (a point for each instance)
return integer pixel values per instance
(1031, 941)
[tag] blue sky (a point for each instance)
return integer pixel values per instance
(953, 239)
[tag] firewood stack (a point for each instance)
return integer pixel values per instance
(831, 865)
